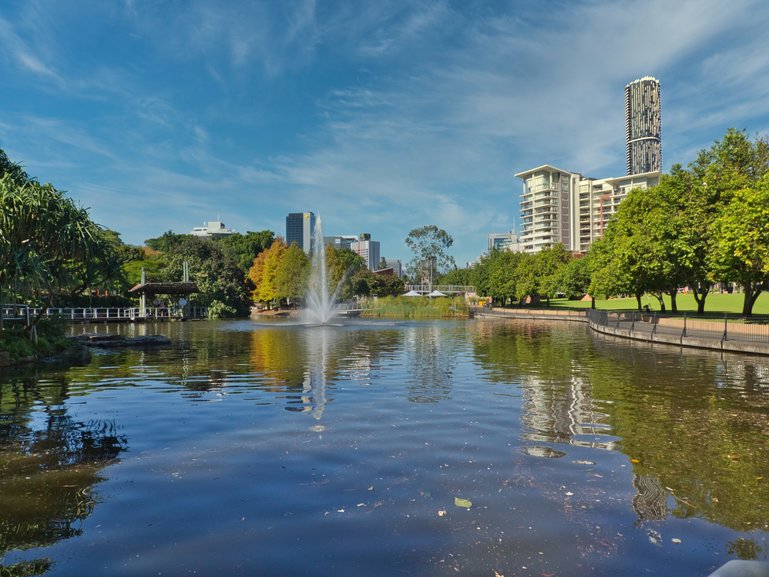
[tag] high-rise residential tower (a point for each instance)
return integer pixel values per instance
(643, 127)
(300, 227)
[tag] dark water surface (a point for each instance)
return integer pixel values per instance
(479, 448)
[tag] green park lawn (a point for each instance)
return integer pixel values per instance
(714, 304)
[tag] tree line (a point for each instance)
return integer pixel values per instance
(279, 275)
(53, 255)
(704, 224)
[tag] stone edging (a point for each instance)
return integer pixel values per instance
(644, 336)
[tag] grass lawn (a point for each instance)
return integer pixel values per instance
(715, 303)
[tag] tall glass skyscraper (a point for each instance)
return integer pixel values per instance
(643, 126)
(300, 227)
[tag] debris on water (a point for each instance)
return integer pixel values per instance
(583, 462)
(441, 512)
(464, 503)
(676, 540)
(654, 537)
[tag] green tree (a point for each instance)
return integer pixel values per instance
(503, 278)
(457, 276)
(549, 263)
(218, 278)
(732, 164)
(495, 275)
(574, 278)
(607, 277)
(293, 270)
(244, 248)
(342, 265)
(639, 251)
(429, 244)
(49, 246)
(367, 283)
(741, 242)
(166, 242)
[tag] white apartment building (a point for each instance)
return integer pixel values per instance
(546, 204)
(560, 206)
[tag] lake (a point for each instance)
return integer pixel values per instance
(470, 448)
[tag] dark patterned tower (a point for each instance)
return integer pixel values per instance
(643, 126)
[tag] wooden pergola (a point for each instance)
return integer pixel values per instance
(151, 289)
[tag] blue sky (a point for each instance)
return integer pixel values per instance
(381, 115)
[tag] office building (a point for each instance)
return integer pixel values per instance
(340, 241)
(643, 126)
(395, 265)
(300, 227)
(504, 241)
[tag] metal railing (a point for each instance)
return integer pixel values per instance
(555, 314)
(18, 312)
(752, 330)
(444, 288)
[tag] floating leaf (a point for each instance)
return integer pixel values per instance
(460, 502)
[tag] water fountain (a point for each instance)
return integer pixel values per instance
(319, 309)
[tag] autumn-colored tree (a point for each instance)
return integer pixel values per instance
(264, 270)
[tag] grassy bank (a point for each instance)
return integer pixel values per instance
(16, 345)
(418, 308)
(714, 304)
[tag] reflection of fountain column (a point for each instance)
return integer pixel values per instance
(314, 384)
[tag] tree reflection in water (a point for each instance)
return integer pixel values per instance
(693, 425)
(49, 464)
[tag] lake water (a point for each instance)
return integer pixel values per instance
(477, 448)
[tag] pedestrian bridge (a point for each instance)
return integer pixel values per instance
(20, 312)
(447, 289)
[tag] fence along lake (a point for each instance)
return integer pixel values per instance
(484, 447)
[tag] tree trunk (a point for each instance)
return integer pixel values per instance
(673, 303)
(752, 291)
(592, 302)
(747, 303)
(638, 300)
(661, 301)
(699, 297)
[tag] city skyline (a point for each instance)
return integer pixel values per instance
(386, 115)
